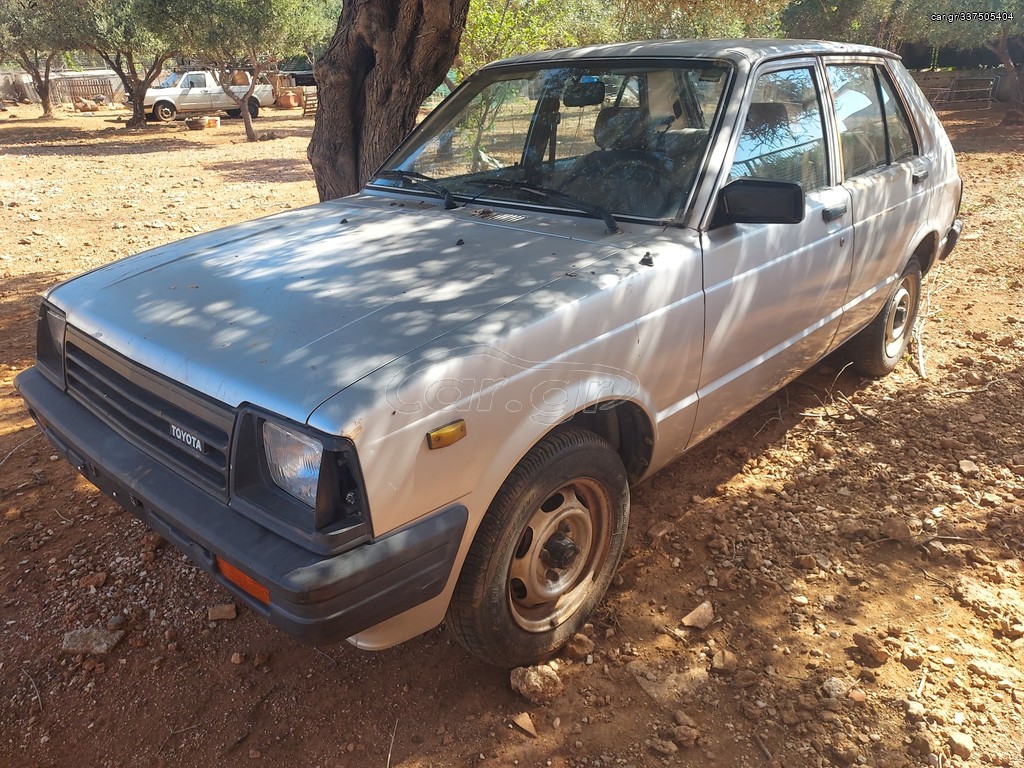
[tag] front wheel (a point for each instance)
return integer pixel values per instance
(234, 112)
(254, 108)
(877, 349)
(545, 551)
(164, 112)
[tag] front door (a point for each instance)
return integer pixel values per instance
(774, 292)
(195, 93)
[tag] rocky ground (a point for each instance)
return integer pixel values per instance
(836, 579)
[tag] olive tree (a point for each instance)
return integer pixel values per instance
(384, 59)
(996, 26)
(36, 33)
(135, 39)
(873, 22)
(236, 36)
(640, 19)
(496, 29)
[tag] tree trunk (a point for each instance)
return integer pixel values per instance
(134, 84)
(40, 72)
(138, 118)
(385, 58)
(224, 74)
(1015, 84)
(250, 131)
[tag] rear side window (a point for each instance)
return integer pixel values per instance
(783, 136)
(874, 130)
(901, 137)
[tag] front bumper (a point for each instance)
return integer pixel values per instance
(318, 599)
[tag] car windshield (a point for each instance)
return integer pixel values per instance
(171, 80)
(619, 139)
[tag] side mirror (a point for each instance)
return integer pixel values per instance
(761, 201)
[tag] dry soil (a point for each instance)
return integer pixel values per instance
(860, 542)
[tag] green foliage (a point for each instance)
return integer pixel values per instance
(250, 33)
(890, 23)
(964, 33)
(123, 26)
(6, 34)
(37, 32)
(500, 28)
(872, 22)
(648, 19)
(39, 28)
(497, 29)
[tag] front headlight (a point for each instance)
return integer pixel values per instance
(294, 461)
(304, 485)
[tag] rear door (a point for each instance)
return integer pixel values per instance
(885, 174)
(774, 292)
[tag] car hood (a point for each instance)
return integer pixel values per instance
(288, 310)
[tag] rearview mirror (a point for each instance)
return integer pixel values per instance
(761, 201)
(587, 93)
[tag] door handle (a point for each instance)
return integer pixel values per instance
(834, 212)
(919, 176)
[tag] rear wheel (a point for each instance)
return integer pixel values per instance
(254, 108)
(164, 111)
(545, 551)
(877, 349)
(234, 112)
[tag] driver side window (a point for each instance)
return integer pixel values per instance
(783, 136)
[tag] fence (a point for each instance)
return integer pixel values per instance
(69, 89)
(309, 100)
(960, 89)
(64, 87)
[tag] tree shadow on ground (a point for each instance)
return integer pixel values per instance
(19, 302)
(282, 170)
(819, 515)
(59, 141)
(981, 130)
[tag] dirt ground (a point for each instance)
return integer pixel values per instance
(861, 543)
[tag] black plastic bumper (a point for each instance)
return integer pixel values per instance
(949, 241)
(316, 598)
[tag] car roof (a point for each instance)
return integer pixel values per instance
(738, 50)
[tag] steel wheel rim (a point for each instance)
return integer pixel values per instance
(899, 318)
(547, 583)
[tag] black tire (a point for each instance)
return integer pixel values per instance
(164, 112)
(545, 551)
(254, 108)
(234, 112)
(877, 349)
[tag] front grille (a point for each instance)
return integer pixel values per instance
(170, 422)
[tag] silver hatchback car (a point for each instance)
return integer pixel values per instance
(429, 399)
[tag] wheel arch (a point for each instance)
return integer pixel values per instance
(627, 428)
(160, 102)
(926, 251)
(623, 422)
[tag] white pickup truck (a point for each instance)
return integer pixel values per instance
(199, 91)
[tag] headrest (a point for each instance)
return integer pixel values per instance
(766, 116)
(620, 128)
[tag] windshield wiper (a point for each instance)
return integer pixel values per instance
(554, 195)
(424, 181)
